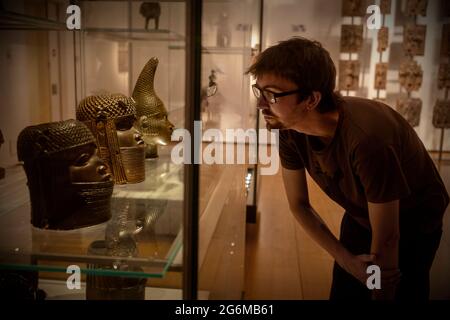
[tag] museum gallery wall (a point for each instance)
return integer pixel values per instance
(371, 61)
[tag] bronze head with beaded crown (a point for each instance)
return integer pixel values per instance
(111, 118)
(68, 183)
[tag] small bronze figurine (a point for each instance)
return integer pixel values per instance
(150, 10)
(111, 118)
(152, 121)
(351, 38)
(410, 109)
(69, 184)
(410, 75)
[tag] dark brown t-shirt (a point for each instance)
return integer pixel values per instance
(374, 156)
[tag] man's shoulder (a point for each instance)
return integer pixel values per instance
(371, 124)
(362, 106)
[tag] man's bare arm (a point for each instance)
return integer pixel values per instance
(297, 194)
(298, 198)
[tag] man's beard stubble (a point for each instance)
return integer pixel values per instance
(272, 123)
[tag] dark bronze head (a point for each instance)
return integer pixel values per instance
(69, 184)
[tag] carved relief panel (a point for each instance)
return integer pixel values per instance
(351, 38)
(414, 39)
(410, 109)
(348, 75)
(410, 75)
(441, 114)
(381, 75)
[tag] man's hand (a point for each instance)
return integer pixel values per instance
(389, 281)
(357, 265)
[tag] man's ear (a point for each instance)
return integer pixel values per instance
(313, 100)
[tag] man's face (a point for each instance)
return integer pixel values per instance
(286, 111)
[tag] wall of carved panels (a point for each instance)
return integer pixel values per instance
(401, 63)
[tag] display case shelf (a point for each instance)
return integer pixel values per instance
(16, 21)
(150, 212)
(133, 34)
(227, 50)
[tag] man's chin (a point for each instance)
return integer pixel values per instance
(275, 125)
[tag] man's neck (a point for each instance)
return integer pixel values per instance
(320, 125)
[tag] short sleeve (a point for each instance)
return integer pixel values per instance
(381, 174)
(289, 156)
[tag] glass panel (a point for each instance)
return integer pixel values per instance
(51, 72)
(229, 31)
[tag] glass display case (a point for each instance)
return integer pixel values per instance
(144, 234)
(230, 38)
(180, 233)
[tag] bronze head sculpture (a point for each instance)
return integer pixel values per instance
(152, 121)
(110, 118)
(68, 183)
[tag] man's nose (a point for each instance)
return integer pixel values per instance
(262, 104)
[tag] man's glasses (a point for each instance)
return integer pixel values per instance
(270, 96)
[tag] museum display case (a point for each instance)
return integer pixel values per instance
(230, 32)
(124, 75)
(93, 73)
